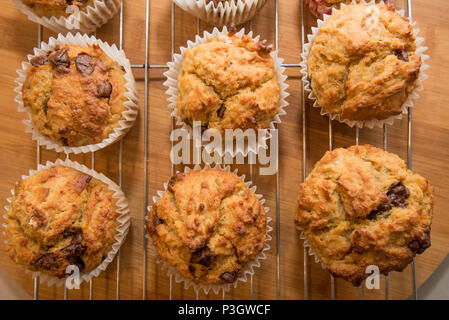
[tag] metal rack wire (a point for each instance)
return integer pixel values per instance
(147, 67)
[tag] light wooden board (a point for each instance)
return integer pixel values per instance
(18, 36)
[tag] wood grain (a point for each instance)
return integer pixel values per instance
(18, 36)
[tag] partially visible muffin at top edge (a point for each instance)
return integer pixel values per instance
(60, 217)
(229, 83)
(56, 8)
(76, 94)
(361, 206)
(208, 225)
(362, 64)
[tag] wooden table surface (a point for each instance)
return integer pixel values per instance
(18, 36)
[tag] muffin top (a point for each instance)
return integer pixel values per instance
(362, 64)
(208, 225)
(60, 217)
(228, 83)
(75, 94)
(361, 206)
(56, 8)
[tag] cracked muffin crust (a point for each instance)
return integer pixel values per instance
(60, 217)
(228, 83)
(361, 206)
(56, 8)
(76, 94)
(362, 64)
(208, 225)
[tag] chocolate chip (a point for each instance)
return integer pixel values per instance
(81, 182)
(420, 245)
(104, 89)
(264, 47)
(401, 55)
(75, 250)
(228, 277)
(201, 206)
(64, 141)
(202, 257)
(380, 208)
(84, 63)
(397, 194)
(61, 60)
(38, 61)
(157, 221)
(221, 111)
(46, 261)
(171, 184)
(46, 109)
(192, 270)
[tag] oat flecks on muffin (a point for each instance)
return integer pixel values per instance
(76, 94)
(60, 217)
(363, 64)
(228, 83)
(361, 206)
(208, 225)
(56, 8)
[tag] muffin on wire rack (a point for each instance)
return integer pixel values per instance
(64, 217)
(363, 65)
(79, 94)
(362, 207)
(209, 228)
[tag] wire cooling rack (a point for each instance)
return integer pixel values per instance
(146, 66)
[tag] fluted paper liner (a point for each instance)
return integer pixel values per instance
(129, 115)
(84, 21)
(249, 268)
(420, 49)
(123, 219)
(172, 84)
(225, 13)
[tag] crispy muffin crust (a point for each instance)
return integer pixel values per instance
(208, 225)
(60, 217)
(56, 8)
(75, 94)
(228, 83)
(362, 64)
(361, 206)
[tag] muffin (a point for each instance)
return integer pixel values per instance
(362, 64)
(228, 82)
(222, 12)
(56, 8)
(208, 225)
(320, 7)
(361, 206)
(76, 94)
(60, 217)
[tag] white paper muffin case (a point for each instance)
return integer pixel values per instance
(124, 220)
(420, 49)
(172, 84)
(249, 268)
(84, 21)
(234, 11)
(129, 115)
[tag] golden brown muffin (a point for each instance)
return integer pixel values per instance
(56, 8)
(208, 225)
(228, 83)
(361, 206)
(75, 94)
(362, 64)
(60, 217)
